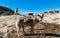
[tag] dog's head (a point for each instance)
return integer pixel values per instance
(39, 17)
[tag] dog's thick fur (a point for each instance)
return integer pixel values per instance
(27, 20)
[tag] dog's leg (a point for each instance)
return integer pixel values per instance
(32, 28)
(23, 29)
(17, 26)
(17, 29)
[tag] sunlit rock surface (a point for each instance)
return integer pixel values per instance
(50, 24)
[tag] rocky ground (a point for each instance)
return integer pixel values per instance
(39, 28)
(8, 29)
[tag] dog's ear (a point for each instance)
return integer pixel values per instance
(42, 14)
(38, 15)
